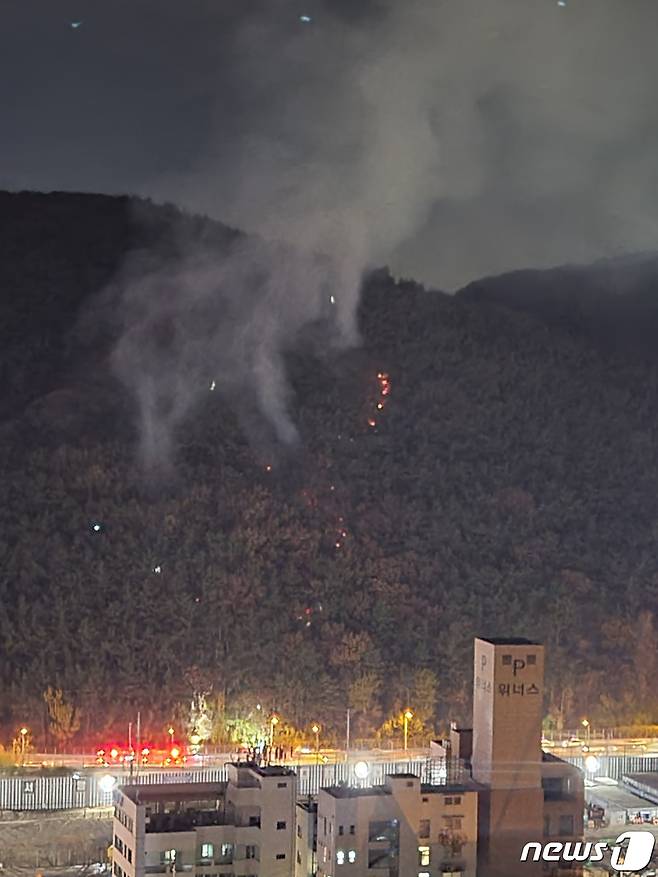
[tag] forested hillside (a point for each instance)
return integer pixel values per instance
(509, 486)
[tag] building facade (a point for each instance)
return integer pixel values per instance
(401, 829)
(242, 828)
(528, 795)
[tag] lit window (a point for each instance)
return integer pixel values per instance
(423, 855)
(170, 855)
(425, 874)
(340, 857)
(207, 851)
(424, 829)
(351, 856)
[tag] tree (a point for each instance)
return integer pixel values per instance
(64, 717)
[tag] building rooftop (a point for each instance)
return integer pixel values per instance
(617, 797)
(146, 794)
(645, 783)
(509, 641)
(425, 788)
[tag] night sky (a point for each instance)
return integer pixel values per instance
(467, 137)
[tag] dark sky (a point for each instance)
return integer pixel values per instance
(451, 137)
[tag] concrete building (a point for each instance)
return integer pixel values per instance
(401, 829)
(242, 828)
(617, 806)
(528, 795)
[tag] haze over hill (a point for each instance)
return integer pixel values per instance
(508, 485)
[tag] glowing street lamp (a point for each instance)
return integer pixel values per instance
(585, 723)
(408, 715)
(316, 731)
(23, 732)
(274, 721)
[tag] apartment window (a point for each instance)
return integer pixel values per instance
(250, 852)
(381, 831)
(169, 855)
(299, 831)
(207, 851)
(299, 858)
(424, 829)
(457, 800)
(280, 855)
(340, 857)
(129, 853)
(341, 830)
(351, 856)
(423, 855)
(254, 821)
(352, 829)
(424, 874)
(324, 825)
(566, 824)
(282, 785)
(280, 826)
(453, 823)
(531, 660)
(226, 849)
(507, 660)
(425, 800)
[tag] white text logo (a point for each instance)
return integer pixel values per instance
(631, 856)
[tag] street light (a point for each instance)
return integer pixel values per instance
(23, 732)
(274, 721)
(316, 731)
(408, 715)
(585, 723)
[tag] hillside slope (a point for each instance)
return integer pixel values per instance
(509, 486)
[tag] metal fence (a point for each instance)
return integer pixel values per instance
(613, 766)
(92, 789)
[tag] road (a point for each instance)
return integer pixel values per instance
(327, 756)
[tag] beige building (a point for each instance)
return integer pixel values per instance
(242, 828)
(529, 796)
(401, 829)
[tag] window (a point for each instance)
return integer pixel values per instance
(423, 855)
(169, 855)
(254, 821)
(207, 851)
(507, 660)
(340, 830)
(457, 800)
(299, 858)
(250, 852)
(352, 829)
(280, 826)
(129, 853)
(566, 824)
(410, 784)
(351, 856)
(424, 829)
(424, 874)
(453, 822)
(299, 831)
(340, 857)
(531, 660)
(380, 831)
(282, 785)
(280, 855)
(425, 800)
